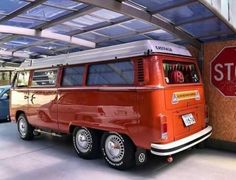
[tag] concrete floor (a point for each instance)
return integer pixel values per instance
(54, 158)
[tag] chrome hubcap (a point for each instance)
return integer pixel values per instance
(141, 157)
(22, 126)
(114, 148)
(83, 140)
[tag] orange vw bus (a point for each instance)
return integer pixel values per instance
(123, 101)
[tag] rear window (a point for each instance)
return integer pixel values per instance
(113, 73)
(180, 72)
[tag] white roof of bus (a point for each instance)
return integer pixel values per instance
(133, 49)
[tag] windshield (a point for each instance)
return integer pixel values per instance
(1, 90)
(180, 72)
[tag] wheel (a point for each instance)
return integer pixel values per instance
(26, 131)
(86, 143)
(118, 151)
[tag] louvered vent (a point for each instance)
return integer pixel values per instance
(140, 70)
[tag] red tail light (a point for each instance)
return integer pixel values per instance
(164, 127)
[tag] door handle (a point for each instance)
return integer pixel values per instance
(26, 97)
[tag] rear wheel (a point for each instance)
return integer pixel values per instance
(118, 151)
(86, 143)
(24, 128)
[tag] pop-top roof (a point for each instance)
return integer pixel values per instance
(133, 49)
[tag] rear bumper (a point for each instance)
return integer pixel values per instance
(182, 144)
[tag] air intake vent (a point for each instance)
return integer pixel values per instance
(140, 67)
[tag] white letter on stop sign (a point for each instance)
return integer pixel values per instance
(217, 69)
(228, 65)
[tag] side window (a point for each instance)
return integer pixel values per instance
(46, 77)
(113, 73)
(22, 79)
(73, 76)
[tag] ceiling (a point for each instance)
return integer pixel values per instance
(39, 28)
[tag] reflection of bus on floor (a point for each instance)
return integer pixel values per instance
(123, 100)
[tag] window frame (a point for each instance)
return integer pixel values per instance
(69, 66)
(112, 85)
(44, 69)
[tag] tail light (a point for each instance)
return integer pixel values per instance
(164, 127)
(206, 114)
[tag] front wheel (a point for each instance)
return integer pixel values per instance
(118, 151)
(26, 131)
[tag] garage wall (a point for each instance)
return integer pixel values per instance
(222, 110)
(194, 52)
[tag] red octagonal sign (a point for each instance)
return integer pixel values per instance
(223, 71)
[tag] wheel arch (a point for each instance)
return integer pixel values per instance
(121, 134)
(18, 113)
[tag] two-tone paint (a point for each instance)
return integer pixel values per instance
(135, 110)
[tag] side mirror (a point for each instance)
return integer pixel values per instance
(5, 96)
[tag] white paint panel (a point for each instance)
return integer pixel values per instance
(127, 50)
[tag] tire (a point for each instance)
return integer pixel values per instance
(26, 131)
(123, 157)
(86, 143)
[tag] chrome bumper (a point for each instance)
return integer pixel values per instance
(182, 144)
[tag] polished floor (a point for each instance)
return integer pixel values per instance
(54, 158)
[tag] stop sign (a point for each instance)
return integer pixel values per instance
(223, 71)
